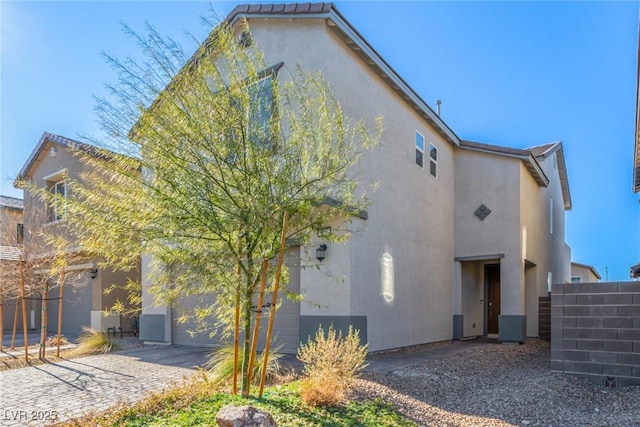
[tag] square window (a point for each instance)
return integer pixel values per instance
(419, 149)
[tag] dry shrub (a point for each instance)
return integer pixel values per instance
(324, 392)
(92, 341)
(220, 365)
(53, 340)
(331, 362)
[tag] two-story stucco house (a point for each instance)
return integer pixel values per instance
(460, 239)
(50, 164)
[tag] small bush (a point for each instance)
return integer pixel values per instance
(321, 392)
(331, 362)
(92, 341)
(220, 365)
(53, 340)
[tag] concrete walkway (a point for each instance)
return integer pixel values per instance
(73, 387)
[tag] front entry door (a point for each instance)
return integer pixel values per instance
(492, 275)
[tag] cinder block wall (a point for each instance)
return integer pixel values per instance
(595, 331)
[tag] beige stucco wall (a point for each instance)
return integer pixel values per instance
(518, 227)
(492, 180)
(409, 223)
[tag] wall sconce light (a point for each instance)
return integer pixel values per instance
(53, 152)
(93, 273)
(321, 252)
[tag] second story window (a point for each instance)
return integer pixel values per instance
(433, 160)
(261, 111)
(19, 233)
(59, 208)
(419, 150)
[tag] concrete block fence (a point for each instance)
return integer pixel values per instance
(595, 332)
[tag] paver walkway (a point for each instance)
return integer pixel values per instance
(29, 396)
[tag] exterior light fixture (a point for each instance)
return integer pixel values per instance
(93, 273)
(321, 252)
(53, 152)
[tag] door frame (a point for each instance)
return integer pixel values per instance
(487, 267)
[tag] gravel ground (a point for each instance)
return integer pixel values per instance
(500, 385)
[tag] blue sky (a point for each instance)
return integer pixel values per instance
(517, 74)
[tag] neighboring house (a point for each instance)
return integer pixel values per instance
(11, 224)
(11, 237)
(583, 273)
(50, 165)
(460, 239)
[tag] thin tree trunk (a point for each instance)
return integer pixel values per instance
(15, 325)
(274, 300)
(256, 324)
(236, 337)
(1, 316)
(247, 343)
(24, 312)
(44, 321)
(60, 312)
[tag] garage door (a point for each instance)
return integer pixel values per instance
(76, 309)
(286, 323)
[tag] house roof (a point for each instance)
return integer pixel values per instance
(9, 253)
(11, 203)
(46, 140)
(531, 158)
(589, 267)
(354, 40)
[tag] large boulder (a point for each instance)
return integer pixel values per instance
(244, 416)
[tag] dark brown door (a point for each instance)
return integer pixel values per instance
(492, 274)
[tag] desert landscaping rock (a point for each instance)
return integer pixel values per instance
(499, 385)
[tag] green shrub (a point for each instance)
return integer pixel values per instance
(331, 362)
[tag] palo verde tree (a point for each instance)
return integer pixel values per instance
(214, 161)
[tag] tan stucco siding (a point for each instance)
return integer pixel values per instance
(410, 214)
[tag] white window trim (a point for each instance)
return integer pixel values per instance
(434, 161)
(421, 150)
(57, 176)
(551, 215)
(579, 279)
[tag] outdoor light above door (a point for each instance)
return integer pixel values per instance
(321, 252)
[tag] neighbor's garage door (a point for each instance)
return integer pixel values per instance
(76, 308)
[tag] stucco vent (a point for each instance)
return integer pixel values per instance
(482, 212)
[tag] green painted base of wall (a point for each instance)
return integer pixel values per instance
(309, 326)
(512, 328)
(152, 327)
(458, 326)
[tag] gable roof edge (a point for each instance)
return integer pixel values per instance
(335, 20)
